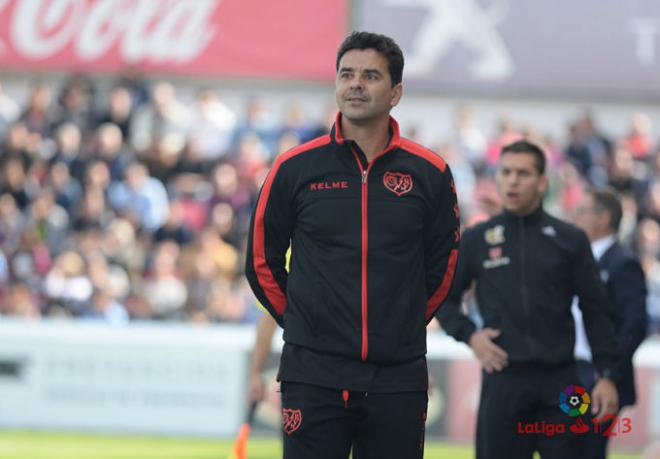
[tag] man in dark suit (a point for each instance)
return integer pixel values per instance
(599, 214)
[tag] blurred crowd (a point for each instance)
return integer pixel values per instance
(131, 204)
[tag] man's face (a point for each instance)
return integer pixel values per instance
(590, 218)
(364, 89)
(519, 183)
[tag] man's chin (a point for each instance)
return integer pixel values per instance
(356, 117)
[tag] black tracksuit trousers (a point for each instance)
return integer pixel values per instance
(522, 398)
(324, 423)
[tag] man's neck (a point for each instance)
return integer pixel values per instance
(372, 138)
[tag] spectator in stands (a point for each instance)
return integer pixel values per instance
(297, 122)
(12, 221)
(92, 211)
(109, 147)
(121, 245)
(164, 117)
(67, 189)
(37, 116)
(119, 111)
(229, 189)
(14, 181)
(625, 175)
(141, 198)
(75, 103)
(104, 307)
(20, 301)
(599, 149)
(260, 121)
(68, 147)
(507, 134)
(49, 220)
(9, 111)
(174, 228)
(97, 175)
(469, 141)
(162, 286)
(67, 287)
(576, 151)
(16, 143)
(638, 140)
(136, 85)
(213, 127)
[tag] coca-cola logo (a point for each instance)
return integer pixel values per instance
(160, 31)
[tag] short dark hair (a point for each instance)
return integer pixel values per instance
(524, 146)
(607, 200)
(382, 44)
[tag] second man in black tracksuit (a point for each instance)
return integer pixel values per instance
(526, 267)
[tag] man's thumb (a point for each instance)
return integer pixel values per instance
(491, 332)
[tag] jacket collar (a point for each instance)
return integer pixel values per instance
(534, 217)
(338, 137)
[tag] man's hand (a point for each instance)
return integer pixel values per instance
(257, 388)
(604, 398)
(491, 356)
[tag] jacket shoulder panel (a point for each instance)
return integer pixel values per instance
(423, 152)
(302, 148)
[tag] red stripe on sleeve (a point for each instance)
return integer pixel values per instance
(271, 288)
(441, 293)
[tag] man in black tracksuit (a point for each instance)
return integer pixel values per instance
(372, 221)
(526, 267)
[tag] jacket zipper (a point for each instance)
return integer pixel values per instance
(365, 245)
(523, 283)
(365, 240)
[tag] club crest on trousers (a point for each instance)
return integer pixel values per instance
(291, 420)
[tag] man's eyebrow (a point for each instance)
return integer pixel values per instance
(351, 69)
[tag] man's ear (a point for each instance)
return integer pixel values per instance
(544, 184)
(397, 92)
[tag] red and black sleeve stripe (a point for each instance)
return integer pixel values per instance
(270, 234)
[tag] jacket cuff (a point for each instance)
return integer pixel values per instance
(607, 370)
(466, 332)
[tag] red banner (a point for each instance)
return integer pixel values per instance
(234, 38)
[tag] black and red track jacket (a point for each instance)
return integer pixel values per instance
(374, 248)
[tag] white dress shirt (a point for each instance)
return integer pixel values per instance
(582, 349)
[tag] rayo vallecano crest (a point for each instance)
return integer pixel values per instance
(495, 235)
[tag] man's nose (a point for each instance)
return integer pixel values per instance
(357, 82)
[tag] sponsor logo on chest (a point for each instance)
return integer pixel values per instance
(329, 185)
(495, 258)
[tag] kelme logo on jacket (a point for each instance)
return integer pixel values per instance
(329, 185)
(397, 182)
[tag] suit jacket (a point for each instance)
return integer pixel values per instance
(626, 286)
